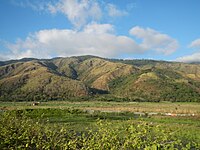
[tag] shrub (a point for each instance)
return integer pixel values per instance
(21, 132)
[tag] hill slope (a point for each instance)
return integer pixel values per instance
(34, 80)
(62, 78)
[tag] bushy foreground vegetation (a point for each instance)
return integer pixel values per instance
(22, 130)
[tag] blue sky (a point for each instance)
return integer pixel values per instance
(144, 29)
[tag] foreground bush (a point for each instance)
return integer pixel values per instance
(20, 132)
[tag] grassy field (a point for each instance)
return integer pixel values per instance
(84, 117)
(161, 107)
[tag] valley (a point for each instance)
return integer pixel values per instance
(88, 102)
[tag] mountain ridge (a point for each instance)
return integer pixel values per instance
(91, 76)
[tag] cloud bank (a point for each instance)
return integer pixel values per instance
(190, 58)
(94, 39)
(195, 44)
(152, 39)
(195, 57)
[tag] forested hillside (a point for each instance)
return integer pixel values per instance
(90, 76)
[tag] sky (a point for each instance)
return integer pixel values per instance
(126, 29)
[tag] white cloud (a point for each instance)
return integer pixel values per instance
(195, 57)
(99, 28)
(94, 39)
(155, 40)
(36, 5)
(190, 58)
(3, 57)
(90, 38)
(81, 12)
(195, 44)
(113, 11)
(78, 12)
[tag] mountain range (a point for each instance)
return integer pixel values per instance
(92, 77)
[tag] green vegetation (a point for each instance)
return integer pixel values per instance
(88, 77)
(113, 106)
(156, 85)
(77, 129)
(108, 104)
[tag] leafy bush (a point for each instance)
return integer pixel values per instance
(20, 132)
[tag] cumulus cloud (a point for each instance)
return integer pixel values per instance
(113, 11)
(20, 49)
(3, 57)
(152, 39)
(190, 58)
(99, 28)
(88, 37)
(78, 12)
(195, 44)
(195, 57)
(94, 39)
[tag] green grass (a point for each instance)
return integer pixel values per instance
(88, 111)
(161, 107)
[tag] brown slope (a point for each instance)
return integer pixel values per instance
(95, 72)
(33, 79)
